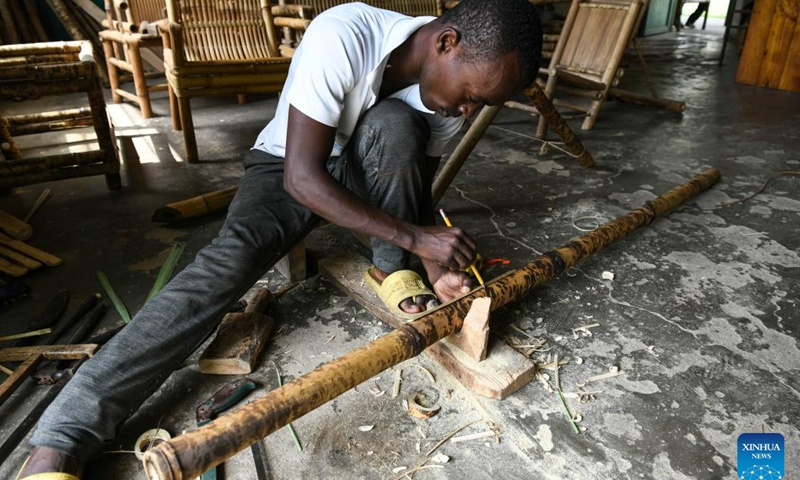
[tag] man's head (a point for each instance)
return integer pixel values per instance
(486, 51)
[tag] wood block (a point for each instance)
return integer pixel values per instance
(473, 339)
(240, 339)
(502, 373)
(293, 264)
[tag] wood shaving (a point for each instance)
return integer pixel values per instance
(399, 469)
(396, 387)
(613, 372)
(366, 428)
(440, 458)
(427, 372)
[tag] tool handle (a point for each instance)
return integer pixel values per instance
(259, 302)
(225, 398)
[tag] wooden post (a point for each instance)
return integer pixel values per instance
(193, 453)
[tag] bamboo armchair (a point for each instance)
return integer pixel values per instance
(221, 48)
(126, 40)
(587, 56)
(29, 71)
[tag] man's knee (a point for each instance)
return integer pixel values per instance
(395, 120)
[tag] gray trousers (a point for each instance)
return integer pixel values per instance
(384, 164)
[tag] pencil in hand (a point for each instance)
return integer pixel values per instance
(472, 267)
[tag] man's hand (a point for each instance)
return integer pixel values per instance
(448, 247)
(452, 284)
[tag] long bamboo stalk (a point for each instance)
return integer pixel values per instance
(190, 454)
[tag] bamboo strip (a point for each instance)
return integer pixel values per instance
(26, 33)
(10, 35)
(22, 119)
(188, 455)
(21, 259)
(11, 268)
(14, 226)
(44, 257)
(53, 126)
(66, 19)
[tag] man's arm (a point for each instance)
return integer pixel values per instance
(306, 178)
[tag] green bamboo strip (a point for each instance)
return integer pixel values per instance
(112, 295)
(166, 270)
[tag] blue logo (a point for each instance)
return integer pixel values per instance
(760, 456)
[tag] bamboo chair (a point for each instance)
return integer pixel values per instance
(221, 48)
(412, 8)
(588, 53)
(30, 71)
(126, 40)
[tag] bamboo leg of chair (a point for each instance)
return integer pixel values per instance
(7, 142)
(140, 82)
(189, 140)
(241, 99)
(549, 89)
(113, 73)
(174, 111)
(462, 151)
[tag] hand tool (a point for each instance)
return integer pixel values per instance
(472, 267)
(223, 399)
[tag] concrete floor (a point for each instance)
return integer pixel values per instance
(700, 316)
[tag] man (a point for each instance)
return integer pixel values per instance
(371, 100)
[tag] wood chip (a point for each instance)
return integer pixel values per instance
(473, 436)
(366, 428)
(614, 372)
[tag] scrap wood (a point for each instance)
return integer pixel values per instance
(37, 204)
(19, 258)
(612, 372)
(32, 333)
(474, 436)
(585, 328)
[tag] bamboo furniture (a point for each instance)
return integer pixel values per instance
(34, 70)
(413, 8)
(221, 48)
(124, 44)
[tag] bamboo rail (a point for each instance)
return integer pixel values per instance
(190, 454)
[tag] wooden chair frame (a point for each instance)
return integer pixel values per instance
(588, 53)
(54, 68)
(125, 44)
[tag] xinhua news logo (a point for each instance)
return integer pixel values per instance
(760, 456)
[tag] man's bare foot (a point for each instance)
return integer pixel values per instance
(45, 460)
(407, 305)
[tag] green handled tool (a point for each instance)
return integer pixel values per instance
(225, 398)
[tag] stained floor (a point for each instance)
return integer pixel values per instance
(700, 316)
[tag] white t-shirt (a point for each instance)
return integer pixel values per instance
(336, 75)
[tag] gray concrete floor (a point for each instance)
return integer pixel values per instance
(700, 316)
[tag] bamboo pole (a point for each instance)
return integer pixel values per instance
(190, 454)
(36, 21)
(10, 35)
(195, 207)
(554, 120)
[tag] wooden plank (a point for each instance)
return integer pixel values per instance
(777, 48)
(755, 45)
(49, 352)
(502, 373)
(20, 374)
(790, 80)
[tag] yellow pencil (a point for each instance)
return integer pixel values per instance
(474, 270)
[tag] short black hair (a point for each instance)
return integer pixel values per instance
(491, 28)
